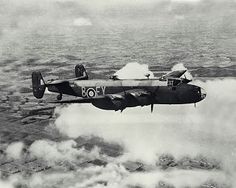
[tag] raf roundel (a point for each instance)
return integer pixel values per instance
(91, 93)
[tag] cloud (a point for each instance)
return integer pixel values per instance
(176, 178)
(56, 179)
(82, 22)
(4, 184)
(134, 71)
(54, 152)
(111, 175)
(186, 1)
(116, 176)
(14, 150)
(24, 22)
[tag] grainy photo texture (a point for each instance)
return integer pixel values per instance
(117, 94)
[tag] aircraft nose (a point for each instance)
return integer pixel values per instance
(203, 93)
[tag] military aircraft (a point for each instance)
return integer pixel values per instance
(118, 94)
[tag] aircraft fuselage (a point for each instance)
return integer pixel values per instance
(160, 92)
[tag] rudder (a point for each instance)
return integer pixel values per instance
(38, 85)
(80, 72)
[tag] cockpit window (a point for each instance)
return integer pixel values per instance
(173, 82)
(170, 83)
(199, 90)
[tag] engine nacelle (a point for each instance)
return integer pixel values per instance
(120, 103)
(107, 104)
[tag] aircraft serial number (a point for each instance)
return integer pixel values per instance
(92, 92)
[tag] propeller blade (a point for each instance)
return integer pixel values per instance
(152, 108)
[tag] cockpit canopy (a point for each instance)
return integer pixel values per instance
(176, 81)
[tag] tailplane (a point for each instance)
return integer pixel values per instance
(80, 72)
(38, 85)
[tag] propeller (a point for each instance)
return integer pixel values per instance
(147, 76)
(152, 105)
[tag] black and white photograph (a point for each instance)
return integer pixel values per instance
(117, 93)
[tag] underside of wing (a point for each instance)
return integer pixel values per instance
(117, 101)
(130, 98)
(139, 96)
(135, 93)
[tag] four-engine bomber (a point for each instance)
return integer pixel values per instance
(118, 94)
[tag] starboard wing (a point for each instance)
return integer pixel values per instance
(119, 101)
(173, 74)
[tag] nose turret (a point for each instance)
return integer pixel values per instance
(202, 93)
